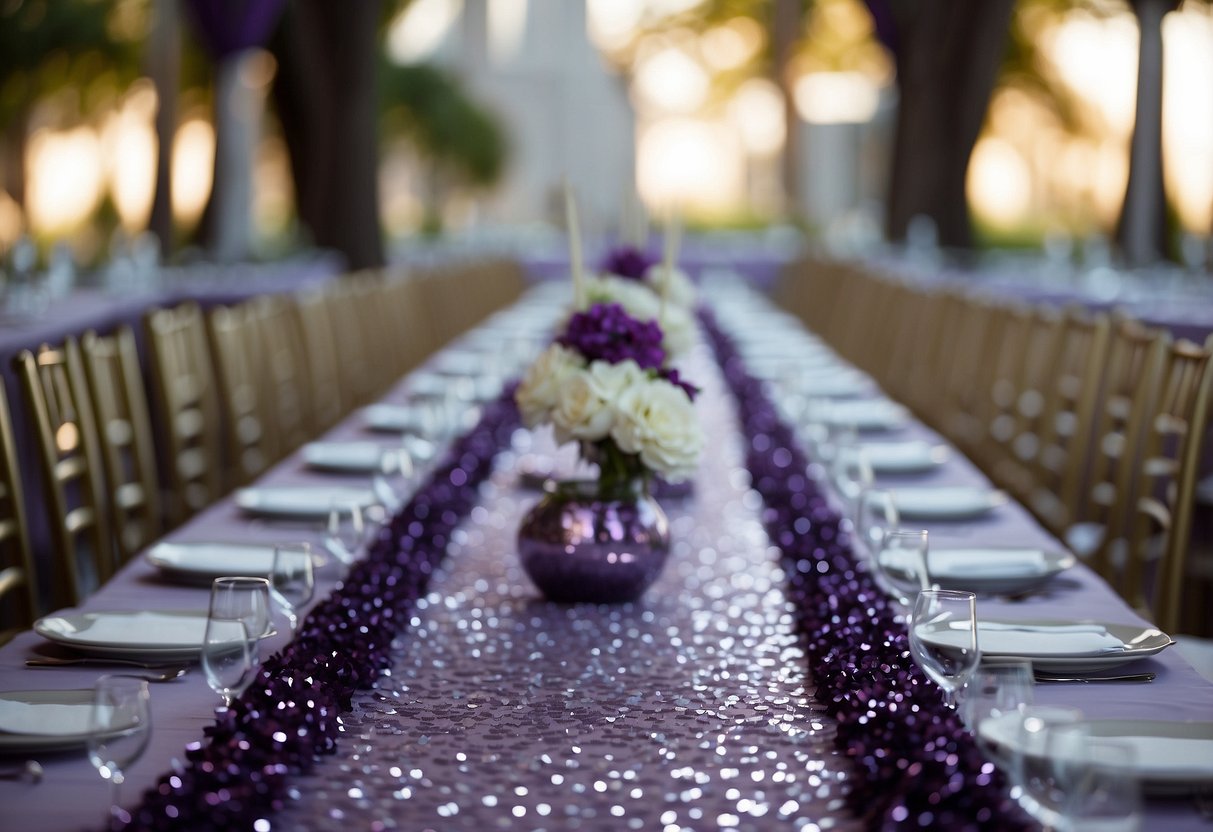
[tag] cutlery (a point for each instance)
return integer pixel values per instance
(51, 661)
(30, 773)
(1128, 677)
(167, 676)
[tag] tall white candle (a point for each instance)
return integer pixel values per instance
(669, 257)
(574, 230)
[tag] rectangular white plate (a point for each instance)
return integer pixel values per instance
(200, 563)
(346, 457)
(50, 720)
(910, 457)
(394, 418)
(167, 635)
(988, 569)
(945, 502)
(1061, 647)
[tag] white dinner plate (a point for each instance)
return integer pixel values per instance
(1061, 646)
(300, 501)
(945, 502)
(200, 563)
(394, 418)
(865, 414)
(913, 456)
(162, 635)
(345, 457)
(1168, 756)
(44, 720)
(983, 569)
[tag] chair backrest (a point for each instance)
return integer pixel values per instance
(233, 337)
(327, 401)
(355, 374)
(187, 407)
(18, 583)
(1059, 467)
(283, 365)
(56, 396)
(1165, 486)
(119, 400)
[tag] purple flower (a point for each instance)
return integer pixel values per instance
(627, 261)
(672, 376)
(605, 332)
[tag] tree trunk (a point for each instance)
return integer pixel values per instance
(1142, 228)
(786, 24)
(948, 54)
(164, 65)
(327, 99)
(16, 139)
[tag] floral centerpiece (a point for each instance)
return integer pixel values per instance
(606, 384)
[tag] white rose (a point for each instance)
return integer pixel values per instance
(679, 328)
(540, 387)
(677, 286)
(642, 303)
(586, 404)
(657, 420)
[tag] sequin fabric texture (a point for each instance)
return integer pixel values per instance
(690, 709)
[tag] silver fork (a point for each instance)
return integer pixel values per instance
(30, 772)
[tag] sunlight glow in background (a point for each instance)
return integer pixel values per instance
(699, 145)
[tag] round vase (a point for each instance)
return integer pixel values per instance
(583, 543)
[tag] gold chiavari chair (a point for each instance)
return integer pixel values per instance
(412, 335)
(326, 403)
(56, 397)
(18, 583)
(283, 365)
(233, 338)
(1059, 467)
(187, 408)
(355, 375)
(119, 401)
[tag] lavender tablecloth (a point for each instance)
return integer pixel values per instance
(606, 716)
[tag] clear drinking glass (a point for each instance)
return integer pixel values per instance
(245, 598)
(120, 725)
(1038, 741)
(1100, 791)
(943, 638)
(901, 564)
(996, 690)
(229, 657)
(346, 530)
(875, 516)
(292, 581)
(851, 472)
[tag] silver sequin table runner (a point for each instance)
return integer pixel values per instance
(688, 710)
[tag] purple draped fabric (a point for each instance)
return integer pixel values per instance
(229, 26)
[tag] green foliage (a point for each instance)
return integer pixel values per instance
(87, 46)
(448, 128)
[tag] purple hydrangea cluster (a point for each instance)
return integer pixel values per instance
(627, 261)
(606, 332)
(918, 767)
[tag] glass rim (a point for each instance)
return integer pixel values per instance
(957, 594)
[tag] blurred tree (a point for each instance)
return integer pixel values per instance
(947, 54)
(326, 94)
(462, 143)
(85, 49)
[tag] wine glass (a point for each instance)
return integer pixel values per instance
(292, 582)
(229, 656)
(1100, 790)
(346, 530)
(996, 690)
(119, 727)
(901, 564)
(243, 598)
(875, 516)
(1039, 740)
(851, 472)
(943, 638)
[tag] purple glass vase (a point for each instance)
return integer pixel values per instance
(584, 543)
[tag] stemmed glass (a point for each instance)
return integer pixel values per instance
(292, 582)
(901, 564)
(346, 530)
(851, 472)
(997, 689)
(229, 656)
(120, 725)
(1099, 788)
(243, 598)
(875, 516)
(1040, 742)
(943, 638)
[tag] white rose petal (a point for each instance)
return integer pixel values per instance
(678, 288)
(656, 420)
(540, 387)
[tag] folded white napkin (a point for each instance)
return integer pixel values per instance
(972, 563)
(1001, 638)
(1171, 755)
(44, 719)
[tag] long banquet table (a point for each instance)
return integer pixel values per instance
(693, 708)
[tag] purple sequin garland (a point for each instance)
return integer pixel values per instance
(290, 715)
(918, 766)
